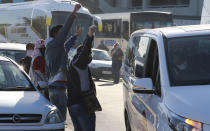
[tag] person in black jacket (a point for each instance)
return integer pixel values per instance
(117, 57)
(26, 61)
(82, 101)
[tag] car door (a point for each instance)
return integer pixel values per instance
(129, 78)
(137, 106)
(153, 113)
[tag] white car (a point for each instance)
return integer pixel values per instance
(101, 65)
(167, 79)
(22, 107)
(15, 51)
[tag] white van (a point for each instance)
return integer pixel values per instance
(205, 16)
(22, 106)
(167, 79)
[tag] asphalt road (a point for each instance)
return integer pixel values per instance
(111, 99)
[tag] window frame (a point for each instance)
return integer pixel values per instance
(151, 58)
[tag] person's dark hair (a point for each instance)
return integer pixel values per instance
(55, 30)
(29, 46)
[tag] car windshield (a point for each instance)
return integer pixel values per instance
(13, 54)
(12, 78)
(101, 55)
(188, 60)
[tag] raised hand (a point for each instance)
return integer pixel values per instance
(76, 8)
(92, 30)
(79, 30)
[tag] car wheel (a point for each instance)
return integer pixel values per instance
(127, 123)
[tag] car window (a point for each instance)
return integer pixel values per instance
(130, 54)
(12, 78)
(101, 55)
(140, 53)
(3, 53)
(16, 55)
(188, 60)
(2, 77)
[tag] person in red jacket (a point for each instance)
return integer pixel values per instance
(37, 69)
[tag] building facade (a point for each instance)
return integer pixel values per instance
(186, 12)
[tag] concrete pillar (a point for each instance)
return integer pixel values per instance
(145, 4)
(122, 4)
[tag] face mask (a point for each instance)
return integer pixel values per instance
(29, 53)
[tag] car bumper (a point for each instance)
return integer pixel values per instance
(103, 72)
(45, 127)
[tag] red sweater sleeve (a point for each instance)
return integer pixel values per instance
(39, 64)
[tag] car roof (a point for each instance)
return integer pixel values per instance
(179, 31)
(2, 58)
(13, 46)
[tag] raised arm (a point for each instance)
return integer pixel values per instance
(61, 37)
(71, 41)
(82, 59)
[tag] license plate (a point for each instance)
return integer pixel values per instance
(107, 72)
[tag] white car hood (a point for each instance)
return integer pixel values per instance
(20, 102)
(191, 102)
(100, 63)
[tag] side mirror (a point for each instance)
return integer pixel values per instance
(144, 86)
(43, 84)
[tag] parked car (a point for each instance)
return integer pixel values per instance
(101, 65)
(14, 51)
(167, 79)
(22, 107)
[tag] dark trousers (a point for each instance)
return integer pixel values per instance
(116, 71)
(59, 99)
(82, 120)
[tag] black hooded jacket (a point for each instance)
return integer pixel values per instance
(75, 95)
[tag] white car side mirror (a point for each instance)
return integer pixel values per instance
(143, 85)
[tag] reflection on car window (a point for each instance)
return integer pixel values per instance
(2, 77)
(12, 77)
(13, 54)
(188, 60)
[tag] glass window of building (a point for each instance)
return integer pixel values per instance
(13, 1)
(136, 3)
(6, 1)
(169, 2)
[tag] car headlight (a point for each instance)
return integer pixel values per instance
(178, 123)
(54, 117)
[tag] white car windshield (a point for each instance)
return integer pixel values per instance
(12, 78)
(13, 54)
(101, 55)
(188, 60)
